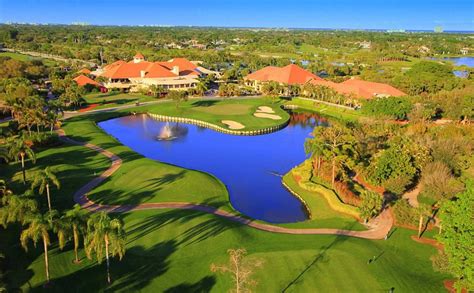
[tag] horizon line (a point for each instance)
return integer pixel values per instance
(85, 24)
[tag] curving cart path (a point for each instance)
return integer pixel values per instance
(379, 227)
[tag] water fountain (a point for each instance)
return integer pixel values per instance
(166, 133)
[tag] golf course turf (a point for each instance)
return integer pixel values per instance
(172, 250)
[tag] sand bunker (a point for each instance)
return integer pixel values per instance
(233, 124)
(265, 109)
(266, 115)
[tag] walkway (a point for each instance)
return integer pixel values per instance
(379, 227)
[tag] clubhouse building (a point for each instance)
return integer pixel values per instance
(294, 75)
(174, 74)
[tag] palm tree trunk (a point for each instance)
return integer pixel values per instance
(76, 242)
(49, 198)
(333, 172)
(420, 224)
(106, 238)
(23, 167)
(46, 263)
(319, 165)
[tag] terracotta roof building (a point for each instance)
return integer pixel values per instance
(83, 80)
(291, 74)
(295, 75)
(177, 73)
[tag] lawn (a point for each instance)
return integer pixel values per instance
(172, 250)
(24, 58)
(115, 99)
(326, 110)
(214, 111)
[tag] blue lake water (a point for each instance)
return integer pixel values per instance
(459, 61)
(247, 165)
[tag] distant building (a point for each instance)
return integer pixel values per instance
(365, 45)
(464, 51)
(174, 74)
(295, 75)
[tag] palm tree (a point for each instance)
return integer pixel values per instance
(315, 148)
(19, 148)
(105, 232)
(76, 218)
(423, 211)
(16, 208)
(43, 179)
(38, 228)
(4, 190)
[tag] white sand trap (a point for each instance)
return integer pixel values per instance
(265, 109)
(233, 124)
(266, 115)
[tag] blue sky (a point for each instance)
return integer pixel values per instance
(355, 14)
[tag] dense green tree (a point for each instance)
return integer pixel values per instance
(390, 107)
(371, 204)
(428, 77)
(457, 237)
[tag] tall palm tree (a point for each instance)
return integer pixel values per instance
(19, 148)
(43, 180)
(77, 220)
(106, 233)
(39, 226)
(315, 148)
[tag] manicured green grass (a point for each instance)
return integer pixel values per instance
(214, 111)
(23, 57)
(115, 99)
(326, 110)
(171, 251)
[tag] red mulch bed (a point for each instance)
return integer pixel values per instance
(428, 241)
(361, 181)
(88, 108)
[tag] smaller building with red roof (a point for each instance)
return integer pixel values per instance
(295, 75)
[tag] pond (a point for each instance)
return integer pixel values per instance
(249, 166)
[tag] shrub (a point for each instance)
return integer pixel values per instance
(392, 107)
(405, 214)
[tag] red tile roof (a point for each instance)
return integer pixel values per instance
(122, 69)
(360, 88)
(84, 71)
(368, 89)
(83, 80)
(290, 74)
